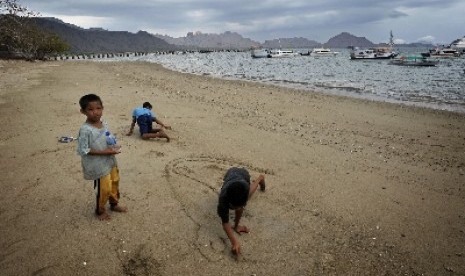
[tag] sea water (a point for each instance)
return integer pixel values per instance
(441, 87)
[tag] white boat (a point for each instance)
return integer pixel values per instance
(373, 53)
(376, 52)
(458, 44)
(323, 52)
(261, 53)
(283, 53)
(442, 53)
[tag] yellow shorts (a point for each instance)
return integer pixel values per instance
(107, 190)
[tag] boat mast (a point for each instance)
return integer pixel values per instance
(391, 39)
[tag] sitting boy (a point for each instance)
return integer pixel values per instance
(144, 118)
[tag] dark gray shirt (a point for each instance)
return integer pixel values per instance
(228, 199)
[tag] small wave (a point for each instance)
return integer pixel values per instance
(349, 87)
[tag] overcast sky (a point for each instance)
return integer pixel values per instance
(435, 21)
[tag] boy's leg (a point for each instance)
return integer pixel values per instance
(114, 191)
(156, 133)
(147, 131)
(103, 186)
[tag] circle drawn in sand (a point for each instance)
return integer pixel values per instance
(195, 183)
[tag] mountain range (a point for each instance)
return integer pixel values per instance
(96, 40)
(99, 40)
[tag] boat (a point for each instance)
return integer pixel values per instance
(442, 53)
(458, 44)
(283, 53)
(322, 52)
(261, 53)
(375, 52)
(420, 61)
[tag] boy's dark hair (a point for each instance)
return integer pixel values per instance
(147, 105)
(86, 99)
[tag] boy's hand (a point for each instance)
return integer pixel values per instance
(129, 133)
(167, 126)
(117, 149)
(236, 248)
(114, 149)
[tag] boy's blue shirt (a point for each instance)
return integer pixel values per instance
(139, 111)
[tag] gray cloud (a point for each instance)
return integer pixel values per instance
(267, 19)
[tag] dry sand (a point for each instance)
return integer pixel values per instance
(354, 187)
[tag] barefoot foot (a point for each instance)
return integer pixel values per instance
(119, 209)
(104, 216)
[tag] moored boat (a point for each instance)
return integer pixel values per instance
(372, 53)
(261, 53)
(283, 53)
(414, 61)
(375, 52)
(458, 44)
(322, 52)
(442, 53)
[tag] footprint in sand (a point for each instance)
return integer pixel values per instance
(195, 183)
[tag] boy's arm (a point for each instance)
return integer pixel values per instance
(107, 151)
(161, 123)
(239, 228)
(235, 246)
(133, 123)
(259, 181)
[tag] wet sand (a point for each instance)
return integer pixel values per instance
(354, 187)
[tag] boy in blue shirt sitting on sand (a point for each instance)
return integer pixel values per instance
(144, 118)
(97, 148)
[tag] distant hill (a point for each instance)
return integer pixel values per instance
(99, 40)
(344, 40)
(292, 43)
(198, 40)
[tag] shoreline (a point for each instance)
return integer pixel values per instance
(354, 187)
(455, 108)
(402, 93)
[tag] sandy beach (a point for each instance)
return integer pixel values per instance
(354, 187)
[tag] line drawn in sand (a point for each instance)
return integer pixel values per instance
(199, 202)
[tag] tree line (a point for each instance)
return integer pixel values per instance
(20, 38)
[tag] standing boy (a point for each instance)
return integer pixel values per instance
(144, 118)
(234, 194)
(97, 148)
